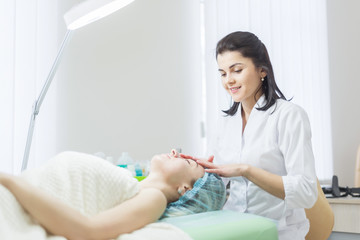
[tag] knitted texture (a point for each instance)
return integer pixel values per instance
(85, 182)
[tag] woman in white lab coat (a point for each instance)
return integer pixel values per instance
(263, 146)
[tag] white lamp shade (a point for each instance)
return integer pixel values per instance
(91, 10)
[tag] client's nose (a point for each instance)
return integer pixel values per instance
(174, 153)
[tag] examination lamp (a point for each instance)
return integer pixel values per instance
(78, 16)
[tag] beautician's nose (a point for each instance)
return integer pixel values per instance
(229, 79)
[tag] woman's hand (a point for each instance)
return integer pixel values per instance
(210, 159)
(227, 170)
(270, 182)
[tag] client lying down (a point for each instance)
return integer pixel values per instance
(80, 196)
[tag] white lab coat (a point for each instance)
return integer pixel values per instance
(279, 141)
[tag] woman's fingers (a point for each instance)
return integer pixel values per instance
(218, 171)
(210, 159)
(222, 171)
(206, 164)
(227, 170)
(187, 156)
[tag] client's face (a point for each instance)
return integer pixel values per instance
(176, 167)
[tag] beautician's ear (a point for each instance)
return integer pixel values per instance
(263, 72)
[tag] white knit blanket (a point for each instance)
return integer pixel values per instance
(86, 183)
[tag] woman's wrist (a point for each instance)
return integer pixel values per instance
(244, 170)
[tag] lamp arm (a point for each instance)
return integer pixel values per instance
(40, 99)
(53, 69)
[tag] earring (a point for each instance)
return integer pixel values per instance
(179, 191)
(262, 79)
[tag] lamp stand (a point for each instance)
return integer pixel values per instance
(38, 102)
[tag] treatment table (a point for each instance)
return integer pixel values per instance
(225, 225)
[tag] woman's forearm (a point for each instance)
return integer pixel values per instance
(55, 216)
(269, 182)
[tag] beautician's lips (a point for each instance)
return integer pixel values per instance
(234, 89)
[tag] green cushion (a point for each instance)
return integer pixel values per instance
(225, 225)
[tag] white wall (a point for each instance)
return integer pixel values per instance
(131, 82)
(344, 52)
(126, 82)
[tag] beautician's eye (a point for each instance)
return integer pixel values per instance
(238, 71)
(222, 74)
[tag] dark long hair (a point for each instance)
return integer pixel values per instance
(250, 46)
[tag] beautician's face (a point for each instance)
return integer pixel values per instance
(239, 76)
(176, 167)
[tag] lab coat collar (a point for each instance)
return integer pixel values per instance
(260, 103)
